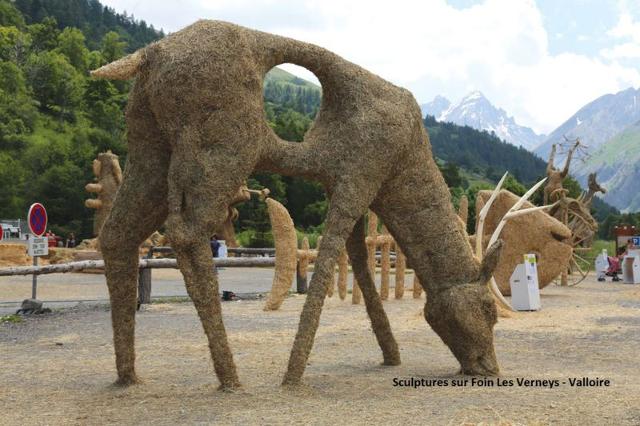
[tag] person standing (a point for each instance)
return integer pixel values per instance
(71, 240)
(215, 246)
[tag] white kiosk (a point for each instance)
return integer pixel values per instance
(631, 267)
(602, 265)
(525, 294)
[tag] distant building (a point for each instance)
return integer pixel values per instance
(14, 229)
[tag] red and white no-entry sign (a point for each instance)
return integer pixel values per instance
(37, 219)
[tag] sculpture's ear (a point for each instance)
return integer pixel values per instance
(490, 261)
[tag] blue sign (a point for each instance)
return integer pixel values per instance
(636, 240)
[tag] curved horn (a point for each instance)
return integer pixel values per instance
(483, 214)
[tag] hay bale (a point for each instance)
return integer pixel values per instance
(60, 255)
(14, 255)
(535, 232)
(88, 244)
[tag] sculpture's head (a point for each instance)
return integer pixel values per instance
(536, 232)
(464, 315)
(594, 185)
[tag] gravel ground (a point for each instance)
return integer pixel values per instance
(58, 368)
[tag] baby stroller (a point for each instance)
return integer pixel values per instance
(613, 270)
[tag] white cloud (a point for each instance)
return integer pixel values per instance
(499, 47)
(628, 30)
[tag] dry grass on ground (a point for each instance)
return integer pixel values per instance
(57, 369)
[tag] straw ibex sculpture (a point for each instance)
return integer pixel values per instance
(196, 131)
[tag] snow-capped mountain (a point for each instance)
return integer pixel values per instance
(437, 106)
(474, 110)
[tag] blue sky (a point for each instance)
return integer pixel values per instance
(540, 60)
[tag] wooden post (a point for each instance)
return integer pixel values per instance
(144, 282)
(385, 264)
(343, 273)
(564, 278)
(372, 237)
(356, 293)
(302, 266)
(401, 264)
(417, 288)
(301, 278)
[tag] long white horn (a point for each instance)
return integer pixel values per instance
(515, 207)
(483, 214)
(493, 286)
(521, 212)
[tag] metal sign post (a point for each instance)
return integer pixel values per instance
(38, 245)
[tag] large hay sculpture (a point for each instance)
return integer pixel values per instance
(574, 213)
(196, 131)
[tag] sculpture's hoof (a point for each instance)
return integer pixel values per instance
(391, 362)
(128, 380)
(292, 383)
(230, 387)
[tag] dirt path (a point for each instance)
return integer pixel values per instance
(57, 369)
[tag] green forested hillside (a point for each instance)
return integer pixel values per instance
(481, 152)
(54, 119)
(92, 18)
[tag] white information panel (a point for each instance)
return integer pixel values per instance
(525, 294)
(38, 246)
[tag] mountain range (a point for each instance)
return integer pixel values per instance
(609, 126)
(617, 163)
(475, 110)
(597, 122)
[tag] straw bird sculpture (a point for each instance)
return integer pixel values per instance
(196, 131)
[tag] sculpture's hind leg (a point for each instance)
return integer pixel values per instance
(139, 209)
(344, 209)
(196, 264)
(201, 186)
(357, 250)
